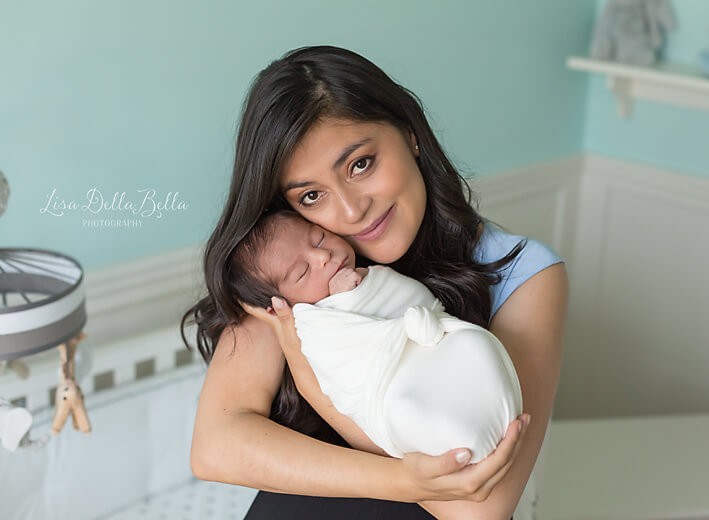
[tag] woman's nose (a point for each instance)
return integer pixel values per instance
(353, 205)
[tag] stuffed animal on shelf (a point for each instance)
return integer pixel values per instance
(69, 399)
(631, 31)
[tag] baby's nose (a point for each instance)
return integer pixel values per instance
(322, 255)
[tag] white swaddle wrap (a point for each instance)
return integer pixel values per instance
(411, 376)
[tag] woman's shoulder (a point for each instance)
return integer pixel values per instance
(247, 338)
(247, 367)
(495, 243)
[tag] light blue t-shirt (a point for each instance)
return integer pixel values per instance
(495, 243)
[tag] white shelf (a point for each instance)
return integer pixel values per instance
(668, 82)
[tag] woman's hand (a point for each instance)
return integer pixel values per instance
(446, 477)
(280, 318)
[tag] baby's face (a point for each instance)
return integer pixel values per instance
(302, 258)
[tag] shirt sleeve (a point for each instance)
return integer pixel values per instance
(495, 243)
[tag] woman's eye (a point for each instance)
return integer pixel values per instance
(362, 164)
(309, 198)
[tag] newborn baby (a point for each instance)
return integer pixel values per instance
(411, 376)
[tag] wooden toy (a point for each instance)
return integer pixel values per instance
(69, 399)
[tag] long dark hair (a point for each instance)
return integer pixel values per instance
(284, 101)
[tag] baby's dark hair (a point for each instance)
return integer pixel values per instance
(253, 285)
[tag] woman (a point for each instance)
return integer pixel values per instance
(326, 132)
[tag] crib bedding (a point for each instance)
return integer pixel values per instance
(193, 500)
(138, 449)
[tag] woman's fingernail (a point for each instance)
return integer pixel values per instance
(462, 456)
(278, 304)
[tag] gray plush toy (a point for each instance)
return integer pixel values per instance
(4, 193)
(631, 31)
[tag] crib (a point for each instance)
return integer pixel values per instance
(141, 396)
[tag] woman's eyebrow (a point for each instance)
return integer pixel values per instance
(348, 150)
(294, 185)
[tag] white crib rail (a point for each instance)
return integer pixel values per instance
(113, 364)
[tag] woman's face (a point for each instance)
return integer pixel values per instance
(361, 181)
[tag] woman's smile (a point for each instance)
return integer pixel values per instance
(377, 228)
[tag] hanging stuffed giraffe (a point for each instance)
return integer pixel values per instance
(69, 398)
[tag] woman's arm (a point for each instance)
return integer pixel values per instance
(235, 442)
(530, 324)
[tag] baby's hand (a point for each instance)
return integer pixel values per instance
(346, 279)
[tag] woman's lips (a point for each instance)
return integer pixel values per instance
(377, 228)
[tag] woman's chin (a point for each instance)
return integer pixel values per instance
(381, 255)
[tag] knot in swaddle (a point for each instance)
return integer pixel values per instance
(423, 326)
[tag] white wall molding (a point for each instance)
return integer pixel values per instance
(142, 295)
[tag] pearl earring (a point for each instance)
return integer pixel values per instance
(417, 147)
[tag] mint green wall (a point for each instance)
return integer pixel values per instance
(132, 95)
(657, 134)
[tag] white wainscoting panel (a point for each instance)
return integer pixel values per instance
(636, 242)
(638, 341)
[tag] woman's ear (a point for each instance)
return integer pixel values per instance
(414, 143)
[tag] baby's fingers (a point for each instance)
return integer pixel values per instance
(257, 312)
